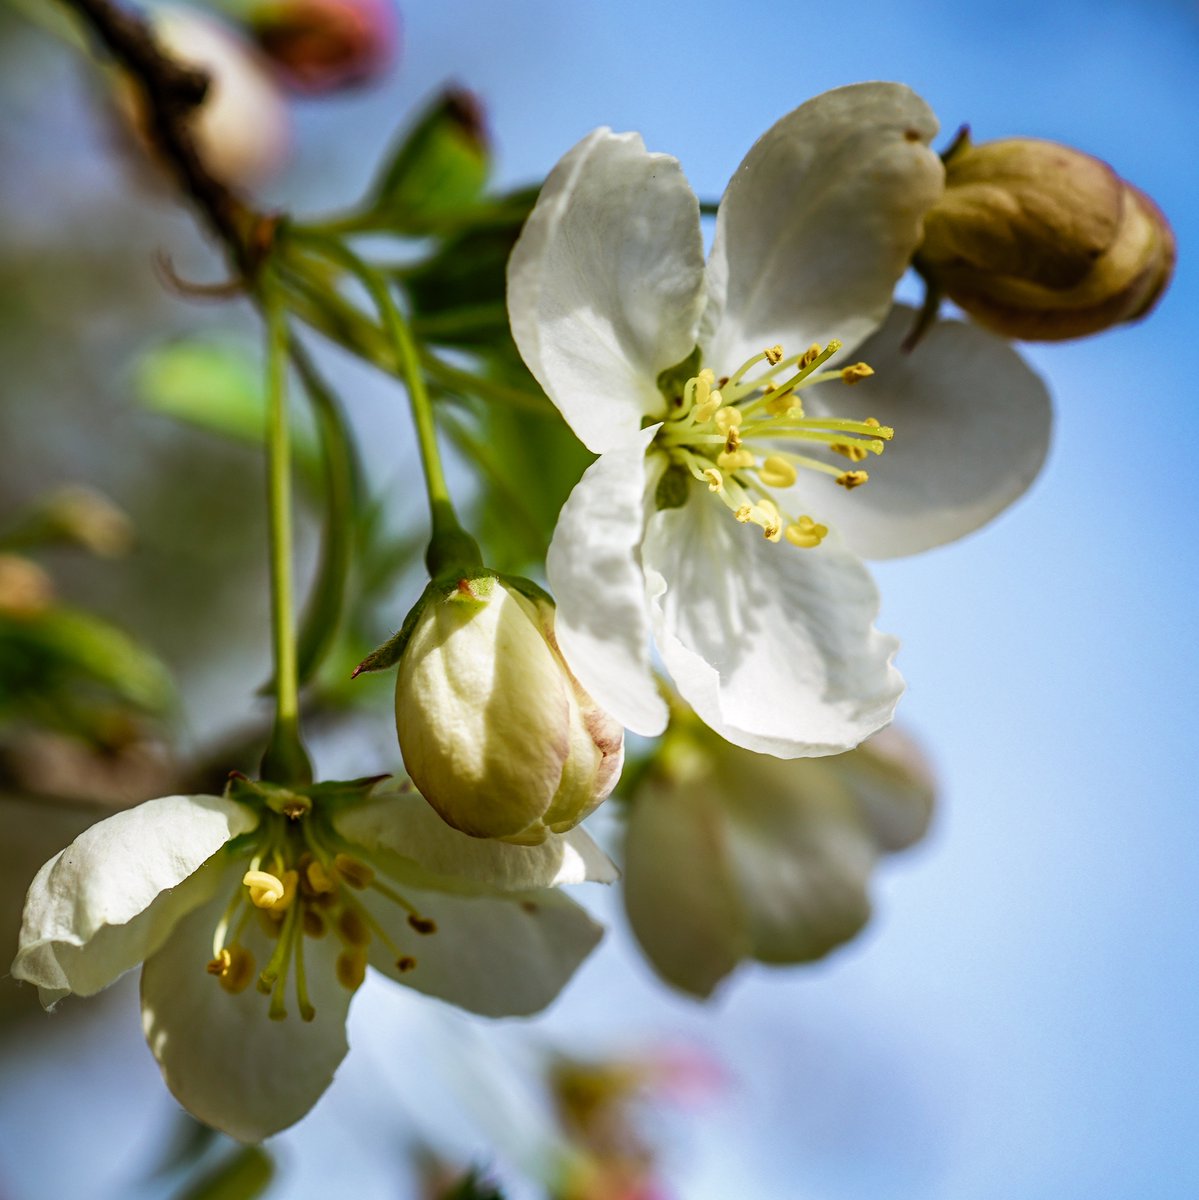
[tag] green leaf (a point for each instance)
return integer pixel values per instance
(439, 167)
(64, 648)
(343, 495)
(244, 1175)
(458, 293)
(216, 386)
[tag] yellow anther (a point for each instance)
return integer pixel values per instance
(356, 874)
(777, 472)
(707, 410)
(785, 404)
(856, 373)
(733, 440)
(734, 460)
(351, 969)
(774, 355)
(809, 356)
(234, 968)
(714, 478)
(706, 376)
(806, 534)
(353, 928)
(727, 419)
(852, 479)
(703, 389)
(266, 890)
(854, 451)
(744, 513)
(313, 923)
(318, 879)
(422, 925)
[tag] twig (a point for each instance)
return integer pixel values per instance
(172, 92)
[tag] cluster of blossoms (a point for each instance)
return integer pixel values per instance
(737, 406)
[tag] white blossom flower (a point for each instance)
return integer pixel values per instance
(709, 394)
(732, 856)
(292, 894)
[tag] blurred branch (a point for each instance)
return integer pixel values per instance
(172, 92)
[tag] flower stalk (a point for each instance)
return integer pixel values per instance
(285, 757)
(450, 546)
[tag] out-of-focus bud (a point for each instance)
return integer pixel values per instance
(731, 855)
(495, 731)
(1039, 241)
(25, 589)
(324, 45)
(89, 519)
(242, 128)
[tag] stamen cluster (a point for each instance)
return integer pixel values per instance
(732, 435)
(303, 883)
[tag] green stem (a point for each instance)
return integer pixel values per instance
(285, 759)
(450, 546)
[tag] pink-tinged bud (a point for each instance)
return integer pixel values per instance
(495, 731)
(242, 128)
(323, 46)
(1040, 241)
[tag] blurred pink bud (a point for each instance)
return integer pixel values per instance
(324, 45)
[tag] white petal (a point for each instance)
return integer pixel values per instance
(605, 284)
(495, 957)
(223, 1058)
(773, 646)
(819, 222)
(594, 571)
(678, 890)
(972, 424)
(893, 786)
(801, 856)
(399, 830)
(109, 899)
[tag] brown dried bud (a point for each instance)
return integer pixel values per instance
(1039, 241)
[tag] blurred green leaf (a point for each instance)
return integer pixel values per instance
(218, 387)
(64, 649)
(458, 293)
(245, 1175)
(439, 167)
(340, 527)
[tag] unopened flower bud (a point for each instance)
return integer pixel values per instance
(241, 128)
(25, 589)
(1039, 241)
(324, 45)
(495, 730)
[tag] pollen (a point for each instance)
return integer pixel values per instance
(774, 355)
(852, 479)
(714, 478)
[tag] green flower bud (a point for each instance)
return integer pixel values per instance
(1039, 241)
(495, 730)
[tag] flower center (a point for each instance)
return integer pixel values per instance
(747, 437)
(302, 883)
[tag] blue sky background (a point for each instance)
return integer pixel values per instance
(1020, 1021)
